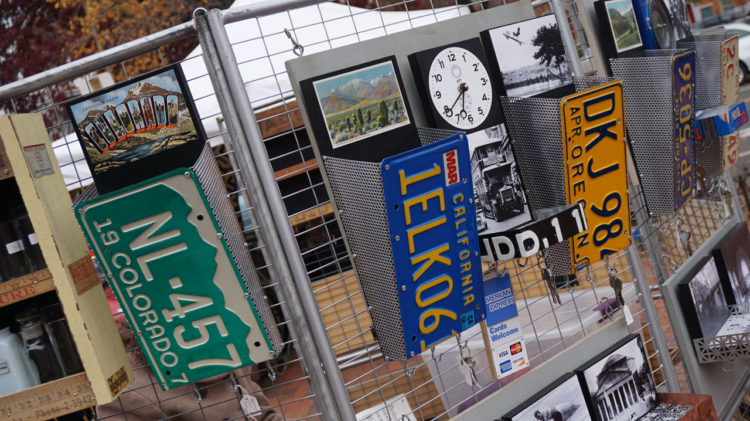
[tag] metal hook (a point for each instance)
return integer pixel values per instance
(672, 264)
(719, 213)
(525, 261)
(407, 371)
(298, 49)
(439, 358)
(271, 372)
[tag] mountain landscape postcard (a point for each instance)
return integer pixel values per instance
(361, 103)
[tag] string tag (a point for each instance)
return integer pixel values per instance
(248, 403)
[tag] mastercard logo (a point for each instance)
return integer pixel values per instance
(516, 348)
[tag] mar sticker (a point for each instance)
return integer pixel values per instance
(433, 230)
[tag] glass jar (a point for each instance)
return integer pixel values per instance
(62, 341)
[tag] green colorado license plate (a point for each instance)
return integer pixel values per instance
(175, 279)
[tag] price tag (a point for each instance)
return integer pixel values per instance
(593, 128)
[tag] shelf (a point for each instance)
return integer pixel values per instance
(24, 287)
(49, 400)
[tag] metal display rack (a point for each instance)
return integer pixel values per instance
(334, 368)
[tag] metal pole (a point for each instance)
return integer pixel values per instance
(96, 61)
(652, 317)
(567, 37)
(264, 8)
(136, 47)
(278, 235)
(290, 299)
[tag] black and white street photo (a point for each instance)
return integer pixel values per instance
(531, 56)
(498, 191)
(708, 298)
(566, 402)
(620, 384)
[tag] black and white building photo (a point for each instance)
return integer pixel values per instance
(565, 402)
(708, 298)
(620, 385)
(498, 191)
(531, 56)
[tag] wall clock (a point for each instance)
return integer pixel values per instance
(455, 86)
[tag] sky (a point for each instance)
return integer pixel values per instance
(369, 73)
(167, 81)
(510, 54)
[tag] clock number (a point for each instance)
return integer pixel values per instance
(484, 97)
(464, 57)
(442, 64)
(476, 67)
(447, 111)
(438, 77)
(470, 118)
(438, 95)
(484, 81)
(451, 57)
(480, 110)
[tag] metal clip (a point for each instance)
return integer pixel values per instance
(672, 264)
(298, 49)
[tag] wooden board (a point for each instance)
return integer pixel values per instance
(703, 405)
(26, 286)
(48, 400)
(47, 200)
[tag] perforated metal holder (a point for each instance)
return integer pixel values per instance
(726, 347)
(538, 145)
(358, 193)
(649, 107)
(708, 95)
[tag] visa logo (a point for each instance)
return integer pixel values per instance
(503, 354)
(450, 164)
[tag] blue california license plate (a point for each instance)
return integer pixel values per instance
(684, 126)
(429, 196)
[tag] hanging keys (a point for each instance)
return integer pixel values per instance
(701, 178)
(726, 197)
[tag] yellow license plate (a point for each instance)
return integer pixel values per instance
(596, 174)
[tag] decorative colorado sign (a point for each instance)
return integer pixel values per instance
(552, 226)
(432, 222)
(683, 92)
(593, 129)
(175, 279)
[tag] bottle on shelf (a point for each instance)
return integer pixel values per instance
(17, 371)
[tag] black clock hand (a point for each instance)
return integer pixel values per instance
(460, 94)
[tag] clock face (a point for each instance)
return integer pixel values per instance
(460, 88)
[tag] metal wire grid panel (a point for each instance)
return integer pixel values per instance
(144, 399)
(432, 384)
(664, 249)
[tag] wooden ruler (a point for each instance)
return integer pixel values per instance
(48, 400)
(26, 286)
